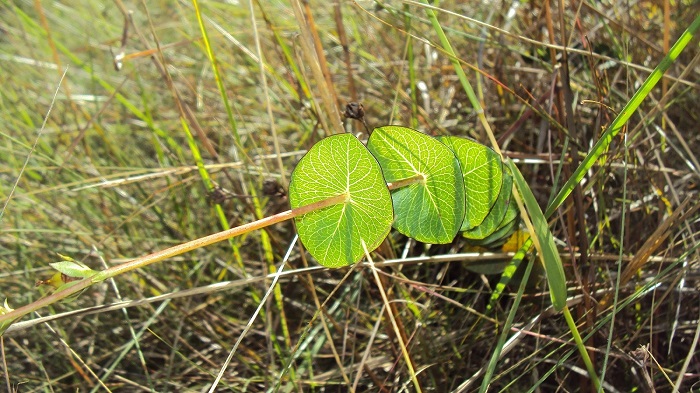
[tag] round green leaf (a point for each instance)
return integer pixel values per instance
(432, 209)
(498, 211)
(482, 171)
(512, 213)
(339, 165)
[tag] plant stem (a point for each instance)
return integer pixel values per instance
(141, 262)
(406, 182)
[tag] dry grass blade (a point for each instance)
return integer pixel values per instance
(392, 318)
(315, 59)
(656, 240)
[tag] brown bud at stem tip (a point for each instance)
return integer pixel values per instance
(354, 110)
(273, 188)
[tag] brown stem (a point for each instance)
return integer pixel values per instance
(338, 13)
(158, 256)
(167, 253)
(406, 182)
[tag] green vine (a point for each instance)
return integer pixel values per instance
(344, 194)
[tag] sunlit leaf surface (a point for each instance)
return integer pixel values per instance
(482, 172)
(337, 165)
(430, 210)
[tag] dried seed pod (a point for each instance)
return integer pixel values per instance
(354, 110)
(273, 188)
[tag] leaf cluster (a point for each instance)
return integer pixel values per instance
(439, 187)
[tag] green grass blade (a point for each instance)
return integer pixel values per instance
(548, 250)
(616, 126)
(461, 75)
(453, 58)
(504, 333)
(582, 349)
(509, 272)
(412, 80)
(217, 75)
(552, 265)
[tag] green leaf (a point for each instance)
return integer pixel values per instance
(482, 172)
(6, 324)
(497, 213)
(430, 210)
(509, 223)
(5, 308)
(72, 297)
(506, 228)
(341, 165)
(548, 250)
(498, 238)
(73, 269)
(65, 257)
(512, 213)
